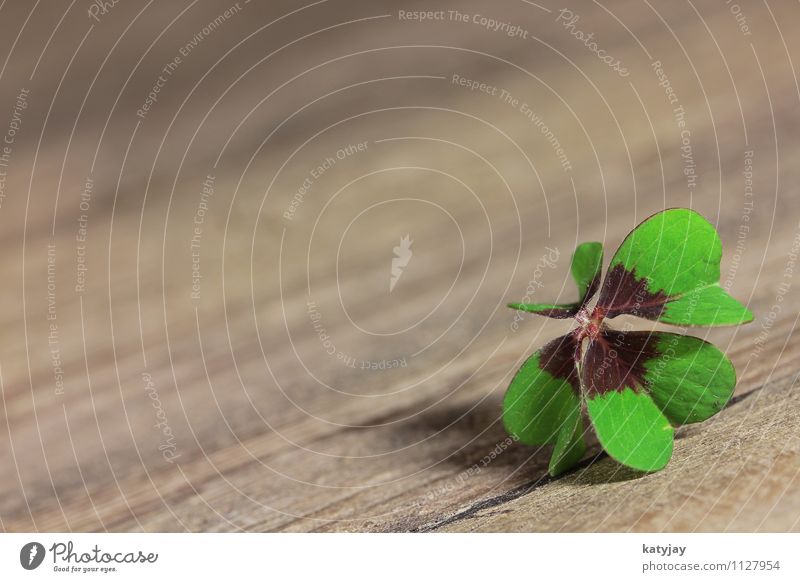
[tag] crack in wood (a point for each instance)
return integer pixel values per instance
(525, 489)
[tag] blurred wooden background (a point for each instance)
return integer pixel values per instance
(200, 203)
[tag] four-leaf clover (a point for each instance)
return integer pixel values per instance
(635, 386)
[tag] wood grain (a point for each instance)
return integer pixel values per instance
(267, 430)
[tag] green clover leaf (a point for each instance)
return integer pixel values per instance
(667, 269)
(635, 386)
(587, 261)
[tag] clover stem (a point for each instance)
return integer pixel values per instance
(589, 325)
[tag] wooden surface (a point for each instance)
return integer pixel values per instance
(241, 403)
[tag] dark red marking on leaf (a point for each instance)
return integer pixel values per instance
(623, 293)
(591, 290)
(560, 312)
(565, 311)
(558, 359)
(615, 360)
